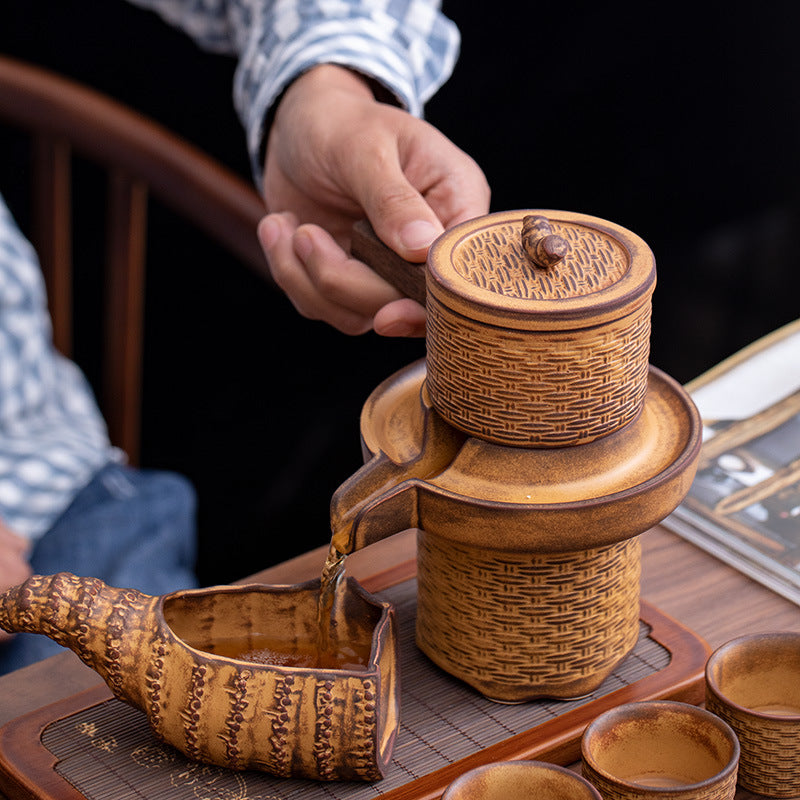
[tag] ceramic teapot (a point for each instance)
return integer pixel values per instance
(529, 449)
(193, 661)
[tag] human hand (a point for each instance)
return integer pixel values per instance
(335, 154)
(14, 566)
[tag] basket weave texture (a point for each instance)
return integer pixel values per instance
(532, 389)
(517, 626)
(769, 755)
(611, 790)
(493, 258)
(531, 357)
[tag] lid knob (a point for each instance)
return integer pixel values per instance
(542, 247)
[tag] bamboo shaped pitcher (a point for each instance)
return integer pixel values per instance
(158, 654)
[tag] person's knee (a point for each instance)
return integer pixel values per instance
(171, 493)
(179, 489)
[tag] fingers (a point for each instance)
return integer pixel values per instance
(461, 195)
(14, 566)
(334, 155)
(400, 215)
(402, 218)
(324, 283)
(12, 542)
(400, 318)
(14, 569)
(432, 185)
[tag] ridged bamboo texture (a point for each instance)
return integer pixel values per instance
(321, 724)
(104, 626)
(517, 626)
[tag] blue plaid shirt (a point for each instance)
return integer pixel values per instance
(406, 45)
(52, 436)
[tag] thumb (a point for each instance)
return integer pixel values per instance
(404, 221)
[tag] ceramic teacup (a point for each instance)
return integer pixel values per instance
(753, 683)
(520, 780)
(660, 749)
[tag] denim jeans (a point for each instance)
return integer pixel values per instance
(131, 528)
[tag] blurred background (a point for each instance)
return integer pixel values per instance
(681, 124)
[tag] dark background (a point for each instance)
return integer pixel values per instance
(678, 123)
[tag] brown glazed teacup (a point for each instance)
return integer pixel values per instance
(520, 780)
(660, 749)
(753, 683)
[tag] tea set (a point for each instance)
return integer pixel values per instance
(529, 450)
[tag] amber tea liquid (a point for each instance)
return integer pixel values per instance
(323, 652)
(261, 649)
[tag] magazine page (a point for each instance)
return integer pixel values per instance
(744, 503)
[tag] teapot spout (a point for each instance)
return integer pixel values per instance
(381, 498)
(104, 626)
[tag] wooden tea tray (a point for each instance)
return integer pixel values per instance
(93, 747)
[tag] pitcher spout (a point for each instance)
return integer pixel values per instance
(381, 498)
(103, 626)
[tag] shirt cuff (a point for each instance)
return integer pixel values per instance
(410, 69)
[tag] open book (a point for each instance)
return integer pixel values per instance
(744, 504)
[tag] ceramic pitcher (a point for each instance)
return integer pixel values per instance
(160, 654)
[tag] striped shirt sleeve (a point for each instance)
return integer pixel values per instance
(408, 46)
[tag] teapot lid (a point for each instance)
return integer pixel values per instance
(540, 269)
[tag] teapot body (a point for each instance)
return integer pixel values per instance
(529, 450)
(524, 591)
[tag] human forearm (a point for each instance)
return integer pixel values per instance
(409, 47)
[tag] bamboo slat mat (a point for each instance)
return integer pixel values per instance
(106, 750)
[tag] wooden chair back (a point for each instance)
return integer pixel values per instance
(141, 158)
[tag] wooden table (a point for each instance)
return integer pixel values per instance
(698, 590)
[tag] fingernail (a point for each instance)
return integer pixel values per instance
(418, 235)
(303, 246)
(397, 328)
(269, 232)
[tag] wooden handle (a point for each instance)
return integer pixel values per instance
(405, 276)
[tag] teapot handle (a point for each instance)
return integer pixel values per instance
(406, 276)
(542, 246)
